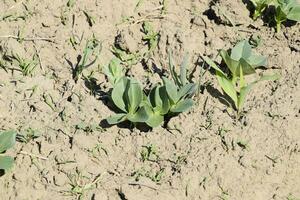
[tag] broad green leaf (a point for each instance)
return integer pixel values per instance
(114, 71)
(118, 93)
(187, 90)
(231, 63)
(154, 97)
(213, 65)
(159, 100)
(243, 93)
(140, 116)
(294, 14)
(183, 70)
(165, 100)
(155, 119)
(171, 90)
(135, 95)
(117, 118)
(228, 87)
(182, 106)
(7, 140)
(241, 50)
(257, 61)
(6, 163)
(247, 68)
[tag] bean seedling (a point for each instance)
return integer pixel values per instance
(285, 10)
(171, 98)
(180, 90)
(241, 62)
(127, 95)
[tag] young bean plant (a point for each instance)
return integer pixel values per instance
(285, 10)
(7, 141)
(165, 99)
(127, 95)
(241, 62)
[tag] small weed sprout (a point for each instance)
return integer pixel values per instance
(25, 66)
(241, 62)
(93, 47)
(151, 36)
(260, 6)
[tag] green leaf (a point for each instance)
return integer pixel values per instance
(140, 116)
(187, 90)
(172, 69)
(228, 87)
(294, 14)
(247, 68)
(257, 61)
(114, 71)
(241, 50)
(213, 65)
(231, 64)
(154, 97)
(171, 90)
(182, 106)
(118, 93)
(243, 93)
(7, 140)
(6, 163)
(154, 120)
(165, 100)
(183, 70)
(117, 118)
(135, 95)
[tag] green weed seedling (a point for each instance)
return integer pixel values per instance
(93, 47)
(129, 58)
(28, 135)
(81, 184)
(241, 62)
(151, 36)
(7, 141)
(260, 6)
(149, 153)
(26, 66)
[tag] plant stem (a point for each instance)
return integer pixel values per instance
(278, 27)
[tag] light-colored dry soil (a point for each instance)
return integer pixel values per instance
(202, 154)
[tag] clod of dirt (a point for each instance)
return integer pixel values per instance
(126, 42)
